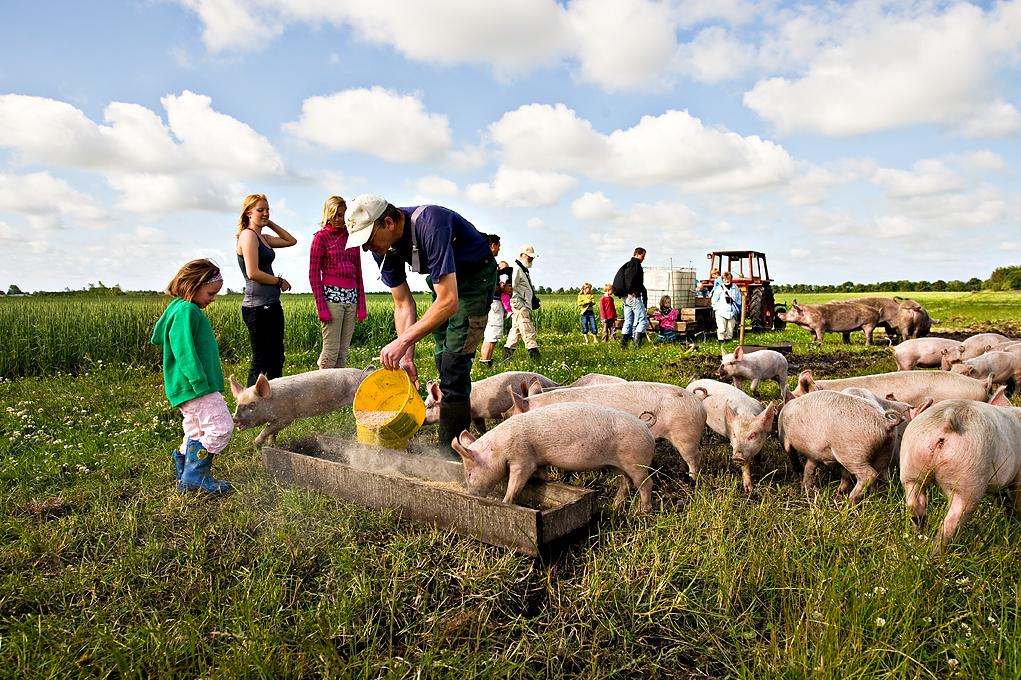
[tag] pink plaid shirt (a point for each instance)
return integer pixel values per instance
(331, 263)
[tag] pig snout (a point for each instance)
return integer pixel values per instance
(739, 458)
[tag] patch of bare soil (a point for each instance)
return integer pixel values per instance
(45, 509)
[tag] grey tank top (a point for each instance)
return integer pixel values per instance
(259, 294)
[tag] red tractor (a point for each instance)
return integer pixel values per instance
(748, 267)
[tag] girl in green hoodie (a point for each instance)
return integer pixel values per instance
(192, 376)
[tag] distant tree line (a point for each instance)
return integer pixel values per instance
(1003, 278)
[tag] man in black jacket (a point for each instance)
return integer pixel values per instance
(636, 299)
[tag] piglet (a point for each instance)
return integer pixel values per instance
(489, 397)
(764, 364)
(832, 427)
(733, 414)
(971, 347)
(922, 352)
(571, 436)
(969, 448)
(1001, 368)
(279, 402)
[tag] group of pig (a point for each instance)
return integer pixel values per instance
(942, 426)
(902, 319)
(955, 427)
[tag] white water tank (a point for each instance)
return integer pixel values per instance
(677, 282)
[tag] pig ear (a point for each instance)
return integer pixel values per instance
(729, 414)
(915, 410)
(236, 388)
(520, 402)
(459, 444)
(893, 418)
(434, 390)
(805, 381)
(788, 397)
(1000, 398)
(738, 353)
(262, 386)
(534, 387)
(769, 412)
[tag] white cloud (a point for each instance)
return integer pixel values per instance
(193, 161)
(593, 206)
(822, 222)
(1009, 246)
(734, 12)
(813, 186)
(715, 55)
(998, 119)
(800, 253)
(434, 185)
(919, 67)
(535, 223)
(622, 45)
(985, 161)
(513, 188)
(375, 121)
(672, 147)
(46, 201)
(928, 178)
(233, 24)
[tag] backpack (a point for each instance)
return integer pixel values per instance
(619, 288)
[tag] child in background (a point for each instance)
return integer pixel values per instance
(192, 376)
(608, 313)
(587, 301)
(503, 270)
(666, 319)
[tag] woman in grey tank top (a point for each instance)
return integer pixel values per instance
(260, 307)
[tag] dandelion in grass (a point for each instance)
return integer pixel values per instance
(880, 622)
(952, 662)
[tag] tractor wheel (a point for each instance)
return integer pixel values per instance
(778, 323)
(756, 312)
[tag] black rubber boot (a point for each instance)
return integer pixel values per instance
(625, 338)
(639, 339)
(454, 417)
(507, 352)
(534, 353)
(488, 363)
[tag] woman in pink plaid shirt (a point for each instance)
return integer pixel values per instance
(335, 274)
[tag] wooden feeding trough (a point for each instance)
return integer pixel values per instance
(431, 490)
(785, 348)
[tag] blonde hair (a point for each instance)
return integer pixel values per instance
(586, 285)
(191, 277)
(663, 300)
(335, 205)
(607, 287)
(248, 204)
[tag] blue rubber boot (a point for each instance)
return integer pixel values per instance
(197, 474)
(178, 463)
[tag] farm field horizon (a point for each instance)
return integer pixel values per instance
(107, 570)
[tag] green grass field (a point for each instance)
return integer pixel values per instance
(105, 570)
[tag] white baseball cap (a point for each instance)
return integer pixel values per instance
(361, 214)
(527, 250)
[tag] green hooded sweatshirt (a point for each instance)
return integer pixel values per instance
(191, 357)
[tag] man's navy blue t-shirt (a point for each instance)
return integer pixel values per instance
(445, 241)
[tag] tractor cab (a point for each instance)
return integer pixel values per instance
(751, 275)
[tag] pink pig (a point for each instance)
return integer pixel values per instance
(571, 436)
(969, 449)
(764, 364)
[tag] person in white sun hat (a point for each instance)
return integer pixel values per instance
(459, 269)
(523, 301)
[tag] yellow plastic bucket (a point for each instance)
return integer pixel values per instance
(388, 409)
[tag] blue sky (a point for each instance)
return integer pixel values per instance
(858, 141)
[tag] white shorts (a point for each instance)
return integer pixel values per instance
(494, 325)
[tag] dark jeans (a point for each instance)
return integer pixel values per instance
(457, 338)
(266, 334)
